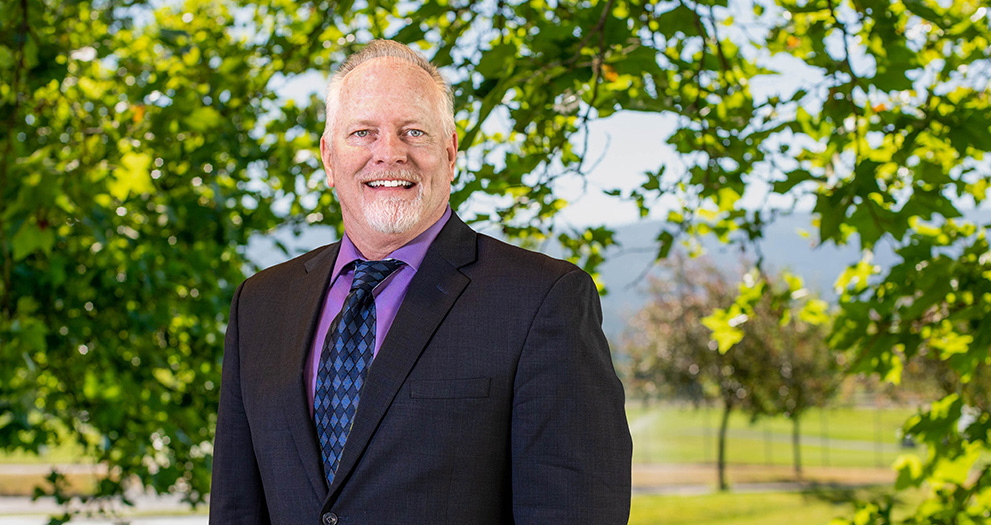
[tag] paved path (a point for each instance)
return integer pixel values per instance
(148, 510)
(37, 519)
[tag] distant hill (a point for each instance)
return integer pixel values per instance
(627, 265)
(784, 248)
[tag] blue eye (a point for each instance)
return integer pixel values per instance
(415, 133)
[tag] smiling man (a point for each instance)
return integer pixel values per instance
(389, 149)
(415, 371)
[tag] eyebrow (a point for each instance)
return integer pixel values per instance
(371, 123)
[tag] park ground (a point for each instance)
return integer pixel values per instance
(846, 452)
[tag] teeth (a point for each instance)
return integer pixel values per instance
(390, 183)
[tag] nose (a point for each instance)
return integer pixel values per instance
(389, 149)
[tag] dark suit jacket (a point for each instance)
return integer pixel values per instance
(493, 399)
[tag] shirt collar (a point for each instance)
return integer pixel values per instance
(411, 253)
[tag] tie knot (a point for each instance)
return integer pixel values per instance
(367, 274)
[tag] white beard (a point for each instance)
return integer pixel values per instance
(395, 214)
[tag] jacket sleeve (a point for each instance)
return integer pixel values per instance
(571, 446)
(236, 495)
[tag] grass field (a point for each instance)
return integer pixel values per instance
(841, 437)
(854, 437)
(675, 446)
(773, 508)
(61, 454)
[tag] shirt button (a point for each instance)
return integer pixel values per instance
(330, 518)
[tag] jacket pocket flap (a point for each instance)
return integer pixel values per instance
(450, 388)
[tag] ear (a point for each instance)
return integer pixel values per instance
(452, 153)
(325, 157)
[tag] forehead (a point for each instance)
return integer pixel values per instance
(389, 86)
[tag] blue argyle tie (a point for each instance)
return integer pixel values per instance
(344, 361)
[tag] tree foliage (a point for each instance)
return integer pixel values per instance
(143, 144)
(139, 157)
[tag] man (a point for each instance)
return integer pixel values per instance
(416, 371)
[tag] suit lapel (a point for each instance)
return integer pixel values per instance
(431, 294)
(312, 290)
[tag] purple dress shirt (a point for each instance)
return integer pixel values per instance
(388, 294)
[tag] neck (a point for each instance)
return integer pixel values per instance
(378, 249)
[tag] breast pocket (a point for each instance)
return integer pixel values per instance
(474, 387)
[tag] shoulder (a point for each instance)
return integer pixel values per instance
(499, 259)
(484, 259)
(285, 275)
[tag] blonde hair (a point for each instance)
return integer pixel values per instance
(391, 49)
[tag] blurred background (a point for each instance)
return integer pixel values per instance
(783, 203)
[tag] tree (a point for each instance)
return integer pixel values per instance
(777, 366)
(129, 194)
(142, 148)
(671, 352)
(792, 325)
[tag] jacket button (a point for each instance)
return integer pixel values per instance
(330, 519)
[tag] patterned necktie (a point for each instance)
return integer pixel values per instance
(347, 352)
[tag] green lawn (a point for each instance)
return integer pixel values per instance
(771, 508)
(668, 434)
(844, 437)
(674, 435)
(61, 454)
(65, 451)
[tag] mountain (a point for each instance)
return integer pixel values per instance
(784, 248)
(627, 265)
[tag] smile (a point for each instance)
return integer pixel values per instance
(390, 184)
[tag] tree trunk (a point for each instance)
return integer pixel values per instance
(796, 445)
(721, 455)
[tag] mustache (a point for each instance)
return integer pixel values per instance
(394, 174)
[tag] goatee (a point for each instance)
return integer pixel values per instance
(391, 215)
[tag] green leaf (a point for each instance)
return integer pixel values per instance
(723, 324)
(726, 198)
(30, 239)
(793, 178)
(132, 177)
(203, 118)
(956, 470)
(6, 58)
(909, 468)
(681, 18)
(815, 312)
(28, 331)
(493, 64)
(411, 33)
(665, 241)
(831, 216)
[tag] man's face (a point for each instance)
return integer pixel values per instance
(387, 155)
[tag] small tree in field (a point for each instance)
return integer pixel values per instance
(672, 353)
(792, 326)
(780, 364)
